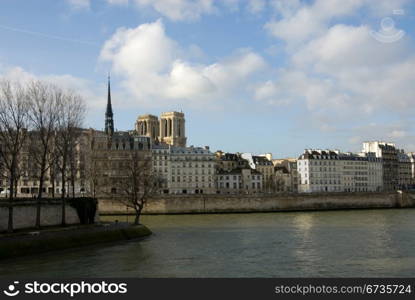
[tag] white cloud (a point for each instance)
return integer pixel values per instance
(256, 6)
(340, 73)
(300, 21)
(143, 49)
(179, 10)
(396, 132)
(285, 8)
(287, 89)
(92, 94)
(346, 73)
(347, 47)
(232, 5)
(296, 87)
(375, 75)
(79, 4)
(154, 67)
(117, 2)
(191, 10)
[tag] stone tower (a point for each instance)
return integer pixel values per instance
(109, 117)
(172, 129)
(148, 125)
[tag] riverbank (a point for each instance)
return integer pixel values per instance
(204, 204)
(51, 239)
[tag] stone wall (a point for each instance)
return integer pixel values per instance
(176, 204)
(24, 214)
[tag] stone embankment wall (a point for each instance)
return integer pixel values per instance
(182, 204)
(24, 214)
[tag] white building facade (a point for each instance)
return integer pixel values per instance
(184, 170)
(333, 171)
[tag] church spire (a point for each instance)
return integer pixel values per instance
(109, 121)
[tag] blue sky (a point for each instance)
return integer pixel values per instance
(251, 76)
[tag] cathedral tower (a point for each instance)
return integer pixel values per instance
(148, 125)
(172, 128)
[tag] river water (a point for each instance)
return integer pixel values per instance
(359, 243)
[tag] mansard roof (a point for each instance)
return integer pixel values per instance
(335, 155)
(261, 160)
(230, 157)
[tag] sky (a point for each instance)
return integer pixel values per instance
(260, 76)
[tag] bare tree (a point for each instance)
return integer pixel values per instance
(70, 119)
(138, 183)
(44, 105)
(13, 133)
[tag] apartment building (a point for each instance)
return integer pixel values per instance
(263, 164)
(405, 180)
(184, 170)
(389, 155)
(286, 175)
(239, 181)
(333, 171)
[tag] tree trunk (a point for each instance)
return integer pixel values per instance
(15, 188)
(10, 222)
(41, 183)
(39, 199)
(63, 186)
(138, 209)
(73, 187)
(63, 222)
(38, 204)
(52, 180)
(137, 218)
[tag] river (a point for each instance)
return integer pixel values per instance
(354, 243)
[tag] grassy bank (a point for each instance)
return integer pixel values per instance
(50, 240)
